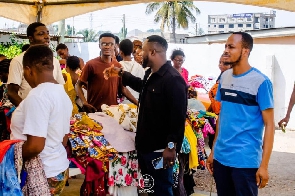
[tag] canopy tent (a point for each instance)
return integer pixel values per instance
(49, 11)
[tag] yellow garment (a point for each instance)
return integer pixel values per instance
(70, 90)
(192, 140)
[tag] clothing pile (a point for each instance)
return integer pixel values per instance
(198, 81)
(202, 123)
(105, 152)
(87, 141)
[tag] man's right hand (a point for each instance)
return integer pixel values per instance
(209, 163)
(284, 120)
(111, 72)
(89, 108)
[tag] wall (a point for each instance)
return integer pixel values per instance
(273, 56)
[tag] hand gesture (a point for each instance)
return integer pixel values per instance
(209, 163)
(169, 156)
(284, 121)
(111, 72)
(89, 108)
(262, 177)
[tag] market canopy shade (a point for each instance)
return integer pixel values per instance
(49, 11)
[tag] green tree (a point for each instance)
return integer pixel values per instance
(89, 35)
(173, 14)
(70, 31)
(123, 33)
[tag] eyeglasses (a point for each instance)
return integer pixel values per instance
(104, 44)
(179, 61)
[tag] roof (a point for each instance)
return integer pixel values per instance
(50, 11)
(52, 36)
(260, 33)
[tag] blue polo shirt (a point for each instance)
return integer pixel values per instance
(240, 137)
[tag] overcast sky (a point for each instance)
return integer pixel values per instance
(111, 19)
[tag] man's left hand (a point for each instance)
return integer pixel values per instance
(262, 177)
(169, 156)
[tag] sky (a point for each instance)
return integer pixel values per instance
(135, 17)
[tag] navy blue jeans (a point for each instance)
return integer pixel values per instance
(163, 178)
(232, 181)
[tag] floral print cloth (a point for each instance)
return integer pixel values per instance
(124, 170)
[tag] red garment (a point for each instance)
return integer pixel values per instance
(99, 90)
(94, 180)
(184, 74)
(8, 119)
(4, 146)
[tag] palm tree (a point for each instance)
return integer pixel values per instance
(89, 35)
(173, 13)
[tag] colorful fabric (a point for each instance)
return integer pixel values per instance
(4, 146)
(36, 181)
(71, 92)
(185, 147)
(189, 134)
(125, 115)
(87, 142)
(57, 183)
(124, 170)
(8, 176)
(243, 98)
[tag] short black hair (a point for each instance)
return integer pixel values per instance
(247, 40)
(4, 65)
(39, 56)
(25, 47)
(117, 39)
(126, 46)
(61, 46)
(107, 35)
(160, 40)
(73, 63)
(177, 52)
(32, 28)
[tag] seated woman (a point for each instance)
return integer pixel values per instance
(43, 118)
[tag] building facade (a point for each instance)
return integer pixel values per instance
(227, 23)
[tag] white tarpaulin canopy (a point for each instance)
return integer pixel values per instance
(49, 11)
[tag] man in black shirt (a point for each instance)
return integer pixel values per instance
(162, 113)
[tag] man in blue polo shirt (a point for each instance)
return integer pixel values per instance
(240, 156)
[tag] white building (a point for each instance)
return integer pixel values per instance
(240, 22)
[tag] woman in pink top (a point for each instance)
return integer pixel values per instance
(177, 58)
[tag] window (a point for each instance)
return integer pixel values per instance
(221, 20)
(240, 25)
(266, 26)
(256, 20)
(240, 19)
(266, 19)
(248, 25)
(220, 26)
(249, 19)
(221, 31)
(212, 20)
(214, 25)
(231, 26)
(208, 25)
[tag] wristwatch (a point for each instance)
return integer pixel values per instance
(170, 145)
